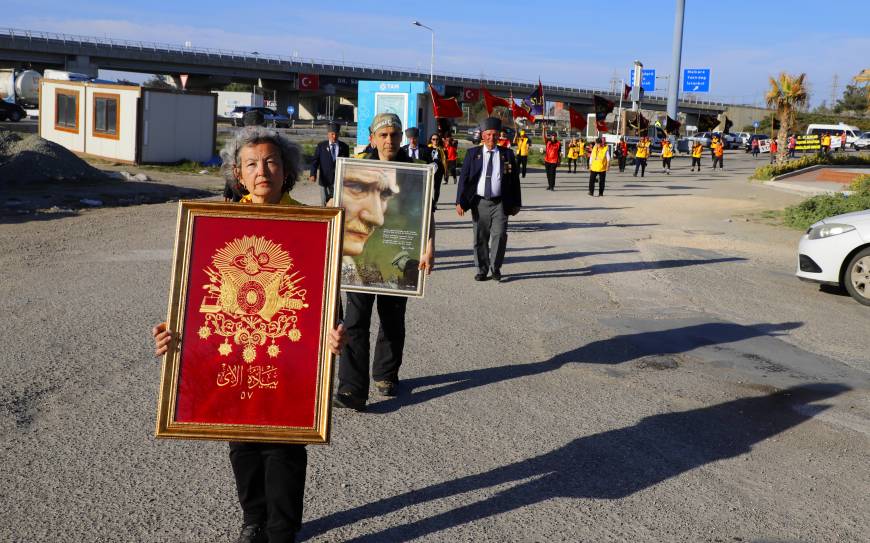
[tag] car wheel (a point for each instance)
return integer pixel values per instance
(15, 116)
(856, 278)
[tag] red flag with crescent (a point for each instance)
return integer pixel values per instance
(470, 95)
(309, 82)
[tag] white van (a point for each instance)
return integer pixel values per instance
(853, 133)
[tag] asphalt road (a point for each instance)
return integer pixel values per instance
(651, 371)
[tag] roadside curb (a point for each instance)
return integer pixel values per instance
(814, 168)
(801, 189)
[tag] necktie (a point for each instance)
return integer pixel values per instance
(487, 184)
(332, 151)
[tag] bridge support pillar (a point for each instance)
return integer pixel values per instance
(82, 64)
(307, 110)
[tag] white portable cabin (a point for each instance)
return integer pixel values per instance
(128, 123)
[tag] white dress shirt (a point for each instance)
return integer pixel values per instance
(496, 172)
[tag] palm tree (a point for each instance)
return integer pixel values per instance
(786, 95)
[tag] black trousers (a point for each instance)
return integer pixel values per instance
(523, 161)
(451, 170)
(353, 367)
(270, 480)
(666, 163)
(551, 174)
(621, 160)
(439, 177)
(600, 176)
(639, 164)
(572, 162)
(719, 160)
(696, 161)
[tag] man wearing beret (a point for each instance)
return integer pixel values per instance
(489, 186)
(360, 221)
(325, 155)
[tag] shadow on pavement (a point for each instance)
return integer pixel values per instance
(617, 267)
(609, 465)
(509, 259)
(615, 350)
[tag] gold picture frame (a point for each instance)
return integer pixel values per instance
(388, 214)
(254, 293)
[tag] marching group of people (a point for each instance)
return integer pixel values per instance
(261, 166)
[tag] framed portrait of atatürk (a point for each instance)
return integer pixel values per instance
(254, 294)
(388, 214)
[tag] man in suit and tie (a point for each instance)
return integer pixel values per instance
(489, 186)
(325, 155)
(412, 148)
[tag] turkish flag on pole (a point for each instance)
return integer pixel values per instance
(493, 101)
(578, 120)
(444, 107)
(309, 82)
(470, 95)
(601, 126)
(626, 92)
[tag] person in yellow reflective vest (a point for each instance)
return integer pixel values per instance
(826, 143)
(718, 150)
(523, 145)
(599, 161)
(641, 155)
(667, 155)
(697, 151)
(573, 151)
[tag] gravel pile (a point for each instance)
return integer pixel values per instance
(32, 159)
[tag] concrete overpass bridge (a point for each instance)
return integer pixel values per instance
(214, 68)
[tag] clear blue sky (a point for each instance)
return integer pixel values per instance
(570, 43)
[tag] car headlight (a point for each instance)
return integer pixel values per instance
(828, 230)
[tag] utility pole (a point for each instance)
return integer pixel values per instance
(674, 89)
(834, 86)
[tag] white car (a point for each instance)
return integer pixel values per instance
(836, 251)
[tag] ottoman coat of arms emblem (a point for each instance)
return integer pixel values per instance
(253, 297)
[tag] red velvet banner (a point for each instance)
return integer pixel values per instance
(253, 319)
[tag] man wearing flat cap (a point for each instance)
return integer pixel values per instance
(325, 155)
(362, 218)
(489, 186)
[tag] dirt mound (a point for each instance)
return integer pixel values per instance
(32, 159)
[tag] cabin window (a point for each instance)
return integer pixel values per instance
(67, 110)
(106, 115)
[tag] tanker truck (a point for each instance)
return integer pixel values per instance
(20, 87)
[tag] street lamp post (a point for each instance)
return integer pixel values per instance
(432, 60)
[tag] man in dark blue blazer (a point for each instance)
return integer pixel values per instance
(325, 155)
(489, 186)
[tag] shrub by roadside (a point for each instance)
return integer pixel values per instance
(836, 159)
(814, 209)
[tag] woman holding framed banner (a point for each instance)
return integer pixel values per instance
(247, 356)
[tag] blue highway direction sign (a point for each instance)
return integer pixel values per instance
(647, 79)
(696, 80)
